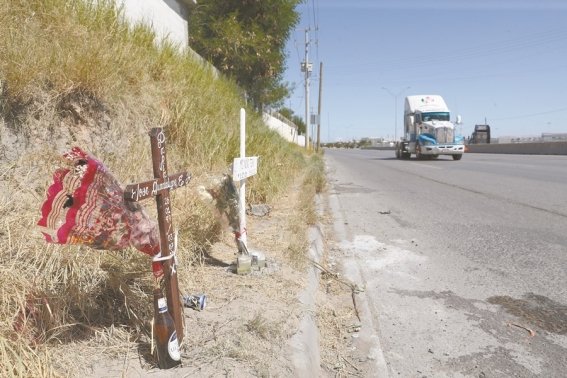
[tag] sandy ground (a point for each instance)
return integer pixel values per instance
(279, 321)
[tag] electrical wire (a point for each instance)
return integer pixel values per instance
(531, 115)
(524, 43)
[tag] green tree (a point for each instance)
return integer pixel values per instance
(286, 112)
(364, 142)
(246, 40)
(290, 115)
(299, 123)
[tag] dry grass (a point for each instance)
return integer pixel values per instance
(245, 328)
(337, 323)
(313, 182)
(262, 327)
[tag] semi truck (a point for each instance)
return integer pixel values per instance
(480, 135)
(428, 130)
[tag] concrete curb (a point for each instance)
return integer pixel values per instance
(305, 343)
(368, 341)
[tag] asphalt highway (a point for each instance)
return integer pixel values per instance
(464, 263)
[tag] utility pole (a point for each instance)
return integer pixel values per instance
(395, 96)
(306, 67)
(319, 106)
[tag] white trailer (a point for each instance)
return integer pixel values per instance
(428, 130)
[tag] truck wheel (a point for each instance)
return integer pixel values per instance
(418, 154)
(457, 157)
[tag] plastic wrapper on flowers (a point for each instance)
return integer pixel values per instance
(85, 205)
(225, 196)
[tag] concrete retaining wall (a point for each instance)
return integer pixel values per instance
(287, 131)
(168, 18)
(544, 148)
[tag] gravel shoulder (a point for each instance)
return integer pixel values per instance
(287, 319)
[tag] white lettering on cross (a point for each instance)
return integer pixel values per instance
(159, 188)
(244, 167)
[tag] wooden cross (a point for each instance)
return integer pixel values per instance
(159, 187)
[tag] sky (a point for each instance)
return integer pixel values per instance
(503, 62)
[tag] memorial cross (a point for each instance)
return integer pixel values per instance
(159, 188)
(242, 168)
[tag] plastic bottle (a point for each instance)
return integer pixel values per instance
(167, 346)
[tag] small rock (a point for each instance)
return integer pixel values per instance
(260, 210)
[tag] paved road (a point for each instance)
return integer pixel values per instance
(461, 260)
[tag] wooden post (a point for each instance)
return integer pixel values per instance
(159, 187)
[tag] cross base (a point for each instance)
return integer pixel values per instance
(254, 260)
(243, 264)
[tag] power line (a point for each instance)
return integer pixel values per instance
(315, 7)
(531, 115)
(522, 43)
(314, 14)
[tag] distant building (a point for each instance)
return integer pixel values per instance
(380, 142)
(545, 137)
(554, 137)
